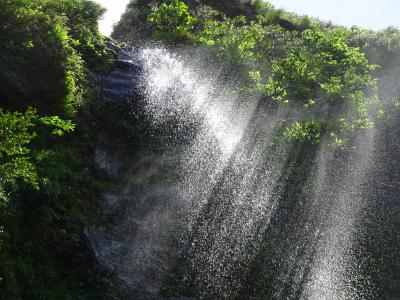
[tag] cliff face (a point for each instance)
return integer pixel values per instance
(120, 182)
(141, 243)
(131, 244)
(314, 200)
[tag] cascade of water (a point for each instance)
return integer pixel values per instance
(334, 269)
(229, 185)
(240, 209)
(228, 182)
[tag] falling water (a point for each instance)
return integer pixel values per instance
(250, 214)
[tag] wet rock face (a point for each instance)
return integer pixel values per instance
(104, 159)
(135, 244)
(120, 85)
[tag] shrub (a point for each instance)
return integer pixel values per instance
(172, 21)
(46, 47)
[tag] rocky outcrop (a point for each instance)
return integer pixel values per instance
(120, 85)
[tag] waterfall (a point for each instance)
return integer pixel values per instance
(248, 213)
(222, 206)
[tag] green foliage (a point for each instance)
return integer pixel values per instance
(266, 13)
(315, 71)
(235, 41)
(15, 136)
(36, 48)
(81, 20)
(17, 131)
(326, 72)
(42, 256)
(46, 47)
(48, 195)
(323, 65)
(60, 126)
(48, 190)
(305, 131)
(133, 20)
(172, 21)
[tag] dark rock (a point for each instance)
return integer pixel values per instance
(286, 24)
(231, 8)
(120, 85)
